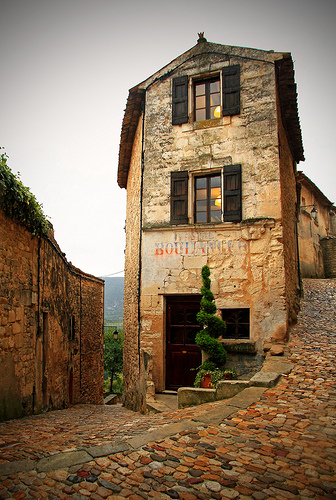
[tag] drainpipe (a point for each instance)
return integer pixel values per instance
(143, 105)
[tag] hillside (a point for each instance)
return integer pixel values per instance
(114, 300)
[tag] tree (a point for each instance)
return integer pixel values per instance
(113, 354)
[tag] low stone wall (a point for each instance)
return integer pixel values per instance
(271, 372)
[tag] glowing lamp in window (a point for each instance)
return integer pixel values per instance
(217, 112)
(218, 201)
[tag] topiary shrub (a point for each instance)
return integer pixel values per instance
(213, 327)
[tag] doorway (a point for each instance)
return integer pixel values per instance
(182, 353)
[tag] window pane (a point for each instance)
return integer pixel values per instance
(200, 115)
(191, 334)
(201, 206)
(200, 102)
(215, 100)
(214, 86)
(215, 181)
(201, 194)
(215, 193)
(200, 89)
(201, 217)
(200, 182)
(215, 216)
(176, 335)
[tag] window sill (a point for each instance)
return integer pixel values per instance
(210, 225)
(204, 124)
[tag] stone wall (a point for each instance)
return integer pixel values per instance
(329, 256)
(289, 223)
(250, 267)
(51, 326)
(133, 371)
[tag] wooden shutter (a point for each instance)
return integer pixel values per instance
(179, 198)
(231, 90)
(232, 193)
(180, 100)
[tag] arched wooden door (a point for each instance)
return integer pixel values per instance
(182, 353)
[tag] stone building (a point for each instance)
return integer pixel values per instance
(317, 230)
(208, 154)
(51, 326)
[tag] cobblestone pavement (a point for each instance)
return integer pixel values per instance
(280, 446)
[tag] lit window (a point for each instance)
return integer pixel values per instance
(207, 99)
(208, 199)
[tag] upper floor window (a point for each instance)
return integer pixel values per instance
(208, 198)
(207, 99)
(211, 98)
(217, 197)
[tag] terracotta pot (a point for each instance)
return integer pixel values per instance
(228, 376)
(206, 381)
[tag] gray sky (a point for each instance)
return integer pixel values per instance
(67, 66)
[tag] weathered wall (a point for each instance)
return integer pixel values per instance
(133, 394)
(46, 362)
(246, 259)
(289, 223)
(249, 265)
(329, 256)
(312, 228)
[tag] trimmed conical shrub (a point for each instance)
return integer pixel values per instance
(213, 327)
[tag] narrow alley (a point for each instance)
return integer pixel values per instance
(279, 444)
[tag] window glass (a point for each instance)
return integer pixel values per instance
(208, 197)
(207, 99)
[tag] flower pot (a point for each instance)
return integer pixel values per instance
(228, 376)
(206, 381)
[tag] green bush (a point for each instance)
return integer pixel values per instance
(213, 327)
(19, 203)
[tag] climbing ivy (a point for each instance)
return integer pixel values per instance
(213, 327)
(18, 202)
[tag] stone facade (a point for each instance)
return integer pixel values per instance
(253, 259)
(317, 225)
(51, 326)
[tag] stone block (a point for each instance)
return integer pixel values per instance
(188, 396)
(228, 388)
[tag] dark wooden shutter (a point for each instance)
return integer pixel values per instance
(231, 90)
(180, 100)
(179, 198)
(232, 193)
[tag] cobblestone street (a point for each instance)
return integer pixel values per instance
(279, 446)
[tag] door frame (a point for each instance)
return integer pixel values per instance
(178, 298)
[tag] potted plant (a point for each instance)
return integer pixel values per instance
(209, 376)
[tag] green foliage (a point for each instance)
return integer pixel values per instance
(113, 356)
(213, 327)
(216, 375)
(18, 202)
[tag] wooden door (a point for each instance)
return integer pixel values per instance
(182, 353)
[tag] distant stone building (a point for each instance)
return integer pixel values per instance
(51, 326)
(317, 231)
(208, 154)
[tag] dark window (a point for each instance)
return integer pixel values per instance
(179, 198)
(72, 334)
(208, 199)
(207, 99)
(180, 100)
(232, 193)
(231, 90)
(237, 323)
